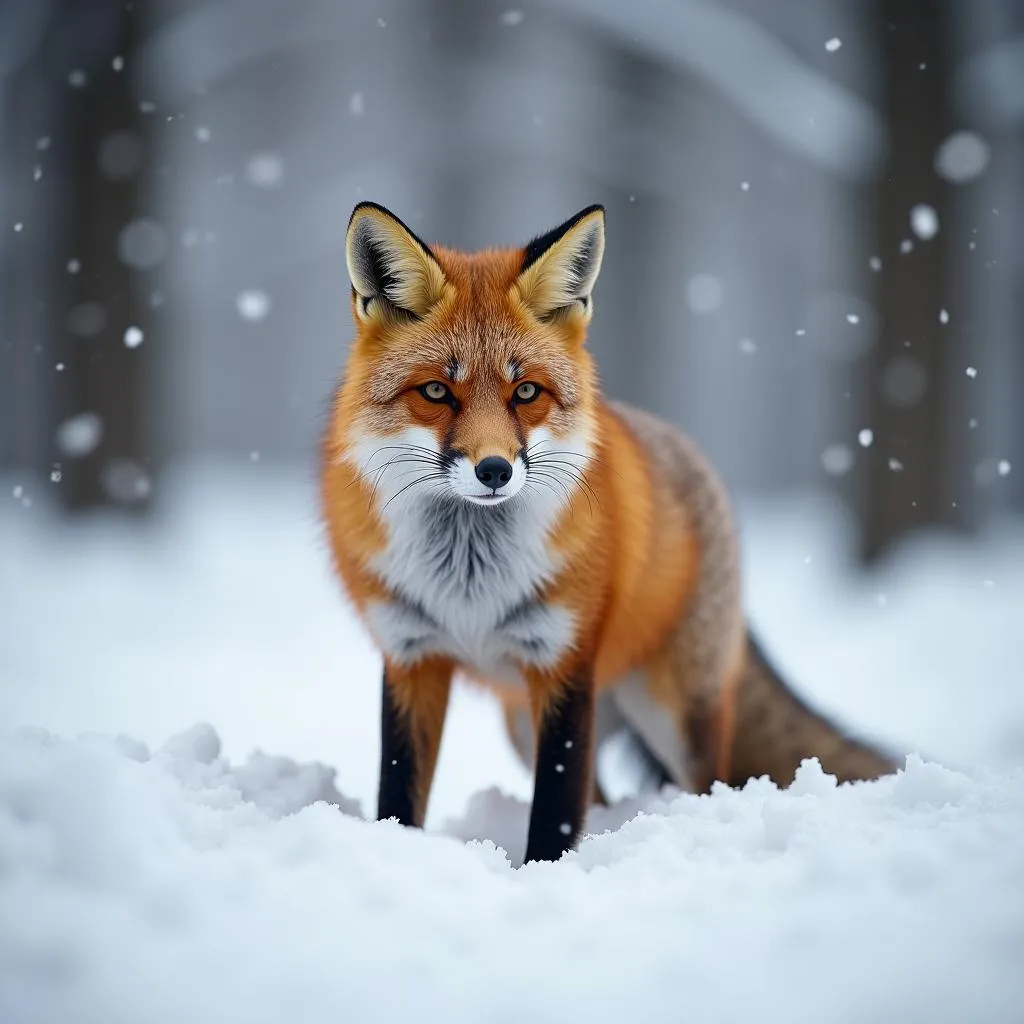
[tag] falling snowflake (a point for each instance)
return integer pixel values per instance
(265, 170)
(837, 459)
(924, 221)
(865, 437)
(833, 44)
(253, 304)
(80, 434)
(133, 337)
(962, 157)
(704, 293)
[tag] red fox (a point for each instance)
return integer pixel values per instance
(489, 511)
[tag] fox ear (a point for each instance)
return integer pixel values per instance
(391, 270)
(560, 268)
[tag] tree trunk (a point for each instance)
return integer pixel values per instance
(97, 406)
(918, 468)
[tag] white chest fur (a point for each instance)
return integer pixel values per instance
(466, 580)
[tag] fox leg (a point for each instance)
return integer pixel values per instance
(563, 768)
(709, 728)
(625, 763)
(413, 708)
(519, 728)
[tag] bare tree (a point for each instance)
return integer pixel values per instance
(918, 473)
(79, 310)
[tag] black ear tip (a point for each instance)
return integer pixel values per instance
(367, 205)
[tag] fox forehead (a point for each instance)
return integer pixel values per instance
(479, 334)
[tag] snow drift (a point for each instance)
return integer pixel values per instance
(173, 886)
(177, 876)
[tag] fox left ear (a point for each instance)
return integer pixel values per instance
(391, 270)
(560, 268)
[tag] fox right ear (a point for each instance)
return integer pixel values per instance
(559, 268)
(391, 270)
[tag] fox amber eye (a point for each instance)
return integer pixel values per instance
(435, 391)
(527, 392)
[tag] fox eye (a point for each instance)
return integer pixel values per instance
(527, 391)
(435, 391)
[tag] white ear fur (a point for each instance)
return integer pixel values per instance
(561, 267)
(387, 261)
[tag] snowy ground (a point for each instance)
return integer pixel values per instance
(177, 875)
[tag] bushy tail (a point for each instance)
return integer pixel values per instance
(774, 730)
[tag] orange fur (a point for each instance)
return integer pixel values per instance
(649, 584)
(626, 589)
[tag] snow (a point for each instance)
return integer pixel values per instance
(837, 459)
(962, 157)
(865, 437)
(79, 435)
(265, 170)
(924, 221)
(833, 44)
(704, 293)
(133, 337)
(142, 243)
(154, 868)
(253, 304)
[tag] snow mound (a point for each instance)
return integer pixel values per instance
(171, 886)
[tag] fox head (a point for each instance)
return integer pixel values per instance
(468, 377)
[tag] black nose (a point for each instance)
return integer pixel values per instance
(494, 471)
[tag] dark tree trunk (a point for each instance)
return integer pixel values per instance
(917, 471)
(106, 370)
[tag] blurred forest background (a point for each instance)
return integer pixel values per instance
(815, 224)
